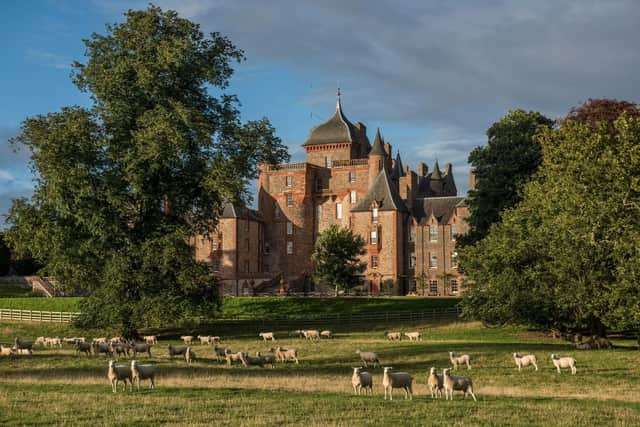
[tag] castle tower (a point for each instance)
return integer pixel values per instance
(377, 157)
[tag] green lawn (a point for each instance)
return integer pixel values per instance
(42, 303)
(8, 291)
(56, 386)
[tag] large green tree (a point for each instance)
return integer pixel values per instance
(5, 257)
(502, 167)
(122, 186)
(567, 255)
(337, 258)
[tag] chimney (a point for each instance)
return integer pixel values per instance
(447, 169)
(472, 179)
(387, 148)
(423, 169)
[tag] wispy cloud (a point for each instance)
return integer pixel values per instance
(50, 59)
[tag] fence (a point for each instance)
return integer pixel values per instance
(37, 316)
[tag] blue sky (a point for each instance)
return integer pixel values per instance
(433, 75)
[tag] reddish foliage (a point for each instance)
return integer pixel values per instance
(602, 110)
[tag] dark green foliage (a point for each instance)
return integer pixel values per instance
(5, 257)
(502, 167)
(123, 186)
(337, 258)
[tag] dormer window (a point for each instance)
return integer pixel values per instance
(327, 162)
(374, 214)
(433, 233)
(289, 181)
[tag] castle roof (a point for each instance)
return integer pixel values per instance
(232, 211)
(398, 169)
(436, 174)
(378, 145)
(337, 129)
(442, 208)
(384, 193)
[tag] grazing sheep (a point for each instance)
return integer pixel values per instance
(529, 359)
(73, 340)
(234, 357)
(285, 354)
(361, 380)
(150, 339)
(368, 357)
(187, 339)
(391, 380)
(177, 350)
(459, 360)
(141, 348)
(326, 334)
(564, 362)
(393, 336)
(297, 333)
(435, 383)
(100, 340)
(189, 356)
(253, 361)
(313, 334)
(602, 342)
(83, 347)
(119, 373)
(268, 359)
(459, 383)
(22, 344)
(215, 339)
(53, 341)
(220, 352)
(101, 348)
(143, 372)
(119, 349)
(117, 339)
(40, 341)
(23, 351)
(5, 351)
(267, 336)
(413, 336)
(204, 339)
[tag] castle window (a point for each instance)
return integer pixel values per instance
(246, 266)
(353, 196)
(374, 214)
(433, 287)
(276, 210)
(454, 260)
(412, 260)
(216, 266)
(433, 261)
(289, 228)
(352, 177)
(267, 249)
(454, 286)
(214, 245)
(374, 261)
(248, 247)
(433, 233)
(412, 233)
(289, 180)
(289, 199)
(327, 162)
(373, 238)
(454, 232)
(339, 210)
(289, 248)
(319, 212)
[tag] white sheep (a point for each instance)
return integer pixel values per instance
(435, 383)
(285, 354)
(40, 341)
(150, 339)
(53, 341)
(564, 362)
(529, 359)
(119, 373)
(413, 336)
(267, 336)
(368, 357)
(5, 351)
(459, 360)
(23, 351)
(204, 339)
(189, 356)
(391, 380)
(460, 383)
(187, 339)
(393, 336)
(143, 372)
(313, 334)
(361, 380)
(326, 334)
(235, 357)
(99, 340)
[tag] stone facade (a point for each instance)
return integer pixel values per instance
(408, 219)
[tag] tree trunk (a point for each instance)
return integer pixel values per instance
(336, 290)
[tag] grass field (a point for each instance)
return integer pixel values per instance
(56, 386)
(8, 291)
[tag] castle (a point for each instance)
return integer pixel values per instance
(408, 219)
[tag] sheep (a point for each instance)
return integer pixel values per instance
(602, 342)
(117, 340)
(83, 347)
(268, 359)
(361, 380)
(393, 336)
(119, 373)
(413, 336)
(459, 360)
(204, 339)
(118, 349)
(73, 340)
(177, 350)
(267, 336)
(564, 362)
(297, 333)
(187, 339)
(435, 384)
(150, 339)
(141, 348)
(326, 334)
(460, 383)
(54, 341)
(253, 361)
(215, 339)
(311, 334)
(143, 372)
(22, 351)
(234, 357)
(5, 351)
(100, 340)
(22, 344)
(100, 348)
(40, 341)
(368, 357)
(391, 380)
(285, 354)
(189, 356)
(529, 359)
(220, 352)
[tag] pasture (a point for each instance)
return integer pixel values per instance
(58, 386)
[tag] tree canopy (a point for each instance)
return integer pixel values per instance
(567, 255)
(122, 186)
(502, 167)
(337, 258)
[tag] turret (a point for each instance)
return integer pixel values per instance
(377, 157)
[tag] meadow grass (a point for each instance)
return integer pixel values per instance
(55, 386)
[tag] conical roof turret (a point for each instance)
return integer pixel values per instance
(378, 145)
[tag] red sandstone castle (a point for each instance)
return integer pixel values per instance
(409, 220)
